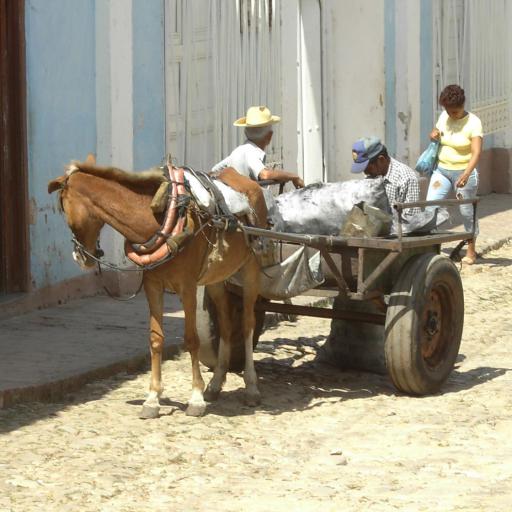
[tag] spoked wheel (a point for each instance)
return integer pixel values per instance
(424, 324)
(208, 330)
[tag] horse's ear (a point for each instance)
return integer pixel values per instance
(91, 159)
(56, 184)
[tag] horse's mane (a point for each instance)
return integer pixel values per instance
(153, 176)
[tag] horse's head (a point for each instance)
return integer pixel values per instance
(80, 215)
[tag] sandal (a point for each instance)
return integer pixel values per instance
(468, 260)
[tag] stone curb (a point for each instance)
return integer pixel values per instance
(494, 245)
(56, 390)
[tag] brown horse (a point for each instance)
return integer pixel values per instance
(92, 196)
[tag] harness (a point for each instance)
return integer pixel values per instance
(221, 208)
(177, 227)
(172, 232)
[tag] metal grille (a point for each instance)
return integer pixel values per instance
(222, 56)
(471, 49)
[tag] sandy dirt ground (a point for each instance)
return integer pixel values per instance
(322, 439)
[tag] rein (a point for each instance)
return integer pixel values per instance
(113, 266)
(81, 249)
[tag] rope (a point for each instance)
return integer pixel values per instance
(115, 267)
(122, 299)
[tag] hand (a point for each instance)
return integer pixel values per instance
(462, 181)
(298, 182)
(435, 134)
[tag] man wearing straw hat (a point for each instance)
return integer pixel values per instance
(249, 158)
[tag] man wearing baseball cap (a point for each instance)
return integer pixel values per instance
(249, 158)
(370, 156)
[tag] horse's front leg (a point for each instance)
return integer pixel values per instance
(196, 404)
(154, 290)
(218, 294)
(251, 280)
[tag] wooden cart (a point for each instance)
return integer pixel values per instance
(415, 293)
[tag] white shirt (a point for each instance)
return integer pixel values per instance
(248, 159)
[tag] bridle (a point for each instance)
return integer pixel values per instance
(80, 249)
(99, 253)
(85, 254)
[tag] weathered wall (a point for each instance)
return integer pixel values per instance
(354, 78)
(95, 83)
(409, 77)
(130, 91)
(60, 49)
(348, 72)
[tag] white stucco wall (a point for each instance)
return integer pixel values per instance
(351, 85)
(354, 80)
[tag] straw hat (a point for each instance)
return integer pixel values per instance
(257, 116)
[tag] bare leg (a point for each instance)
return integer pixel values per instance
(219, 296)
(154, 295)
(471, 252)
(196, 404)
(251, 275)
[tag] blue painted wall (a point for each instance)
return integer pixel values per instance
(62, 106)
(61, 110)
(148, 83)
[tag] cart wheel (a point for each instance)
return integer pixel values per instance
(424, 324)
(208, 330)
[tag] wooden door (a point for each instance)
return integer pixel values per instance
(13, 169)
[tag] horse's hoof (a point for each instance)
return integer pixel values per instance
(149, 413)
(195, 410)
(253, 399)
(211, 396)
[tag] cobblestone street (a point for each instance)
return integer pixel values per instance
(321, 440)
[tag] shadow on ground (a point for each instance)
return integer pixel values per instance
(494, 262)
(22, 414)
(287, 384)
(460, 380)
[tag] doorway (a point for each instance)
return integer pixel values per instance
(13, 169)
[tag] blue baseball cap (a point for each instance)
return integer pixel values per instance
(363, 150)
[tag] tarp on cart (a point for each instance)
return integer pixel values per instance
(300, 272)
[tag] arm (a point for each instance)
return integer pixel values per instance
(280, 176)
(476, 151)
(437, 131)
